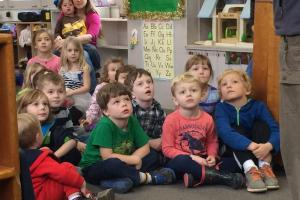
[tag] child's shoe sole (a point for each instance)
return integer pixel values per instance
(256, 190)
(107, 194)
(188, 180)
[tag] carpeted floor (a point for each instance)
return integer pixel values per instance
(179, 192)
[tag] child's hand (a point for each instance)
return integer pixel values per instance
(85, 122)
(139, 165)
(263, 150)
(69, 92)
(81, 146)
(199, 160)
(211, 161)
(252, 146)
(83, 189)
(155, 144)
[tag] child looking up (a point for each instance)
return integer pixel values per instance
(248, 128)
(75, 72)
(108, 73)
(51, 180)
(118, 147)
(147, 110)
(62, 139)
(200, 66)
(189, 139)
(43, 43)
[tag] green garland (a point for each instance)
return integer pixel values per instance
(155, 12)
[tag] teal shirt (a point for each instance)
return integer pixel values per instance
(108, 135)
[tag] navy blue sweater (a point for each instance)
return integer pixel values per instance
(227, 116)
(287, 17)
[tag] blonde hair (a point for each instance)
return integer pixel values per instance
(64, 60)
(242, 74)
(184, 78)
(28, 128)
(48, 76)
(28, 96)
(39, 32)
(30, 70)
(104, 71)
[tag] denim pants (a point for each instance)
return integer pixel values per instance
(290, 110)
(115, 168)
(94, 55)
(92, 72)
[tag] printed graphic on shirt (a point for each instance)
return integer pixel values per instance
(125, 148)
(192, 138)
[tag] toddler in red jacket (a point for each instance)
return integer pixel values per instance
(50, 179)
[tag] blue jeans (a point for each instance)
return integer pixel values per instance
(94, 55)
(115, 168)
(184, 164)
(92, 72)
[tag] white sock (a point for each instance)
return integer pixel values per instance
(247, 165)
(261, 163)
(74, 195)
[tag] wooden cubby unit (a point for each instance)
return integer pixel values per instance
(9, 153)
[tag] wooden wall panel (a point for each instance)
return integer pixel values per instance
(266, 57)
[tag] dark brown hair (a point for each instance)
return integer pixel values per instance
(111, 90)
(132, 76)
(198, 59)
(124, 69)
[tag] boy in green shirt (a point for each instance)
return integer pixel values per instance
(117, 154)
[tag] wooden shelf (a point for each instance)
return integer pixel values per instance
(7, 172)
(233, 48)
(113, 19)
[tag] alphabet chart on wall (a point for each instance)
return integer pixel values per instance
(158, 49)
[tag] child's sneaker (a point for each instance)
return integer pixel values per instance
(163, 176)
(269, 177)
(254, 181)
(119, 185)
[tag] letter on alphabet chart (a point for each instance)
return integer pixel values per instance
(169, 26)
(157, 57)
(152, 33)
(160, 34)
(160, 42)
(169, 50)
(147, 56)
(161, 50)
(146, 49)
(169, 42)
(161, 26)
(153, 26)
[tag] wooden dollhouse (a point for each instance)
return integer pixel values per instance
(229, 24)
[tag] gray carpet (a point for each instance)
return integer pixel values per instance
(179, 192)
